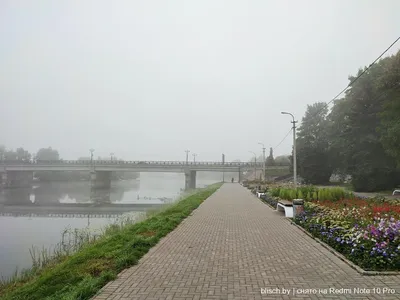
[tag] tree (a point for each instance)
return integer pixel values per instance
(312, 145)
(47, 154)
(389, 87)
(270, 159)
(23, 155)
(10, 155)
(50, 154)
(282, 160)
(363, 130)
(20, 154)
(311, 166)
(338, 127)
(367, 161)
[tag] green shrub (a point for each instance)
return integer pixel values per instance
(274, 192)
(281, 194)
(311, 193)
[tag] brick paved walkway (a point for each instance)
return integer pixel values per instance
(231, 247)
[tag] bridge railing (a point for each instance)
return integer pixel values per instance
(121, 162)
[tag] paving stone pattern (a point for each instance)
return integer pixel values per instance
(233, 246)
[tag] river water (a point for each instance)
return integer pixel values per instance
(18, 234)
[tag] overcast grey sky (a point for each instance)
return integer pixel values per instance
(149, 79)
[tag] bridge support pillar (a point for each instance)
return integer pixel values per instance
(101, 179)
(100, 185)
(190, 180)
(16, 179)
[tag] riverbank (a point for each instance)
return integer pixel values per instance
(82, 274)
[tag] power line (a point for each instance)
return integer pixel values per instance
(283, 139)
(355, 79)
(342, 91)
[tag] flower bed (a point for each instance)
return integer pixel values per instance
(365, 230)
(364, 234)
(272, 201)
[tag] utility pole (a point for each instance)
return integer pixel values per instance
(223, 167)
(263, 148)
(91, 156)
(255, 165)
(294, 148)
(187, 156)
(111, 155)
(194, 157)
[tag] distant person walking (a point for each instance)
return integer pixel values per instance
(233, 179)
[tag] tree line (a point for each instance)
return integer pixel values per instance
(20, 154)
(359, 136)
(270, 161)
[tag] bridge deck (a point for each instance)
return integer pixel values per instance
(230, 248)
(128, 166)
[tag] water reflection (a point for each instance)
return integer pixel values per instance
(18, 234)
(66, 193)
(152, 188)
(21, 196)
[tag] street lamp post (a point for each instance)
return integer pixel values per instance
(294, 148)
(194, 157)
(91, 156)
(223, 167)
(263, 148)
(187, 156)
(111, 155)
(91, 159)
(255, 165)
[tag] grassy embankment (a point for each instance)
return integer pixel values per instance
(82, 274)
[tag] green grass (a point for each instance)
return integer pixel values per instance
(82, 274)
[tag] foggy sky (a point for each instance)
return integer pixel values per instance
(149, 79)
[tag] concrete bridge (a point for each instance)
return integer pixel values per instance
(20, 174)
